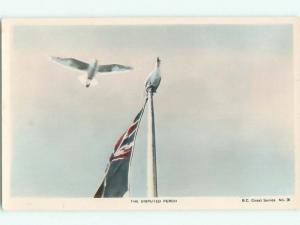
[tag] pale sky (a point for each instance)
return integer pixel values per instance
(224, 109)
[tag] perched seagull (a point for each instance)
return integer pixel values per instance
(91, 69)
(154, 78)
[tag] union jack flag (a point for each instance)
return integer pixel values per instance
(115, 182)
(125, 143)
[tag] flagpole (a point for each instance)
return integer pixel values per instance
(151, 150)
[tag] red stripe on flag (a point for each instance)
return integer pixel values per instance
(124, 155)
(119, 142)
(132, 128)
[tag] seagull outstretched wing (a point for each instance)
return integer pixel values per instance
(77, 64)
(112, 68)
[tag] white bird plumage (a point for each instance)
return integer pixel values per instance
(91, 69)
(154, 78)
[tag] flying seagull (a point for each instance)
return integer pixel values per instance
(154, 78)
(91, 69)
